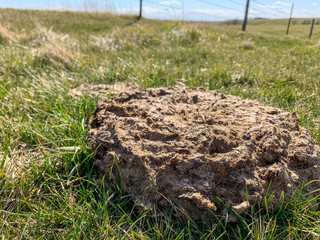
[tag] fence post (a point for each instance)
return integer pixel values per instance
(244, 25)
(289, 22)
(311, 28)
(140, 13)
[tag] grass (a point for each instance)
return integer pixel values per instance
(47, 186)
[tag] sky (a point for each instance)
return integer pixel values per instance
(188, 10)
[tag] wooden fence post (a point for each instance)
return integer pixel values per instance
(311, 28)
(140, 13)
(244, 25)
(290, 18)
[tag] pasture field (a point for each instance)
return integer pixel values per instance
(47, 186)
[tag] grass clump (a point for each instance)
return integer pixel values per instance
(47, 179)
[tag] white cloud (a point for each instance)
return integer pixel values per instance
(278, 3)
(314, 4)
(170, 3)
(276, 10)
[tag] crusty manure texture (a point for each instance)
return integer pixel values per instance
(192, 146)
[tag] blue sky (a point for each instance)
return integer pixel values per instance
(197, 10)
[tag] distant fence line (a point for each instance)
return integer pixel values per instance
(247, 8)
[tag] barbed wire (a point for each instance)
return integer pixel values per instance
(254, 10)
(240, 4)
(188, 11)
(218, 5)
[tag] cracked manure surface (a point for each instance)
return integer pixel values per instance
(190, 146)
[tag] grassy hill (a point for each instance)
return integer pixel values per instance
(47, 186)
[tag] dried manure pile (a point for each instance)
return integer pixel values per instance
(192, 146)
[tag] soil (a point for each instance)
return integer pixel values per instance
(192, 147)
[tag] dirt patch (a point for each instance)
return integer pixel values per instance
(102, 90)
(191, 147)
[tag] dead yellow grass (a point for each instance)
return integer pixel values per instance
(8, 36)
(16, 160)
(57, 49)
(102, 90)
(45, 45)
